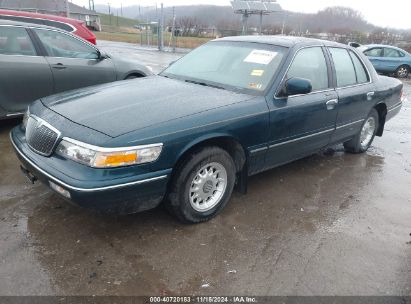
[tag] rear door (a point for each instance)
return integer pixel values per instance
(355, 92)
(303, 124)
(74, 63)
(25, 75)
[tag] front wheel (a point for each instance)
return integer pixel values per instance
(363, 140)
(202, 185)
(402, 72)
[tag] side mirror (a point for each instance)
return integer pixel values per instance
(297, 86)
(101, 55)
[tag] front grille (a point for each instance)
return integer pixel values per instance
(41, 137)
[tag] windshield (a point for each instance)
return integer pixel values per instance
(236, 66)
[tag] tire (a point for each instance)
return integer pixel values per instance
(402, 72)
(182, 199)
(363, 140)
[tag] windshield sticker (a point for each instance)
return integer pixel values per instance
(256, 86)
(257, 73)
(261, 57)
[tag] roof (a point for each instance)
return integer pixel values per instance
(368, 46)
(17, 23)
(46, 5)
(286, 41)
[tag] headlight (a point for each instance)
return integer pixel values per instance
(26, 119)
(98, 157)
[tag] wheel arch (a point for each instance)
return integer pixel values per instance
(223, 141)
(137, 74)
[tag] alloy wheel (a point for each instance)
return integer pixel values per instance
(208, 187)
(367, 132)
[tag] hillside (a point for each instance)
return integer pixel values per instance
(122, 21)
(335, 19)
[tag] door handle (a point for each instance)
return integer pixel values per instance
(331, 104)
(59, 66)
(370, 95)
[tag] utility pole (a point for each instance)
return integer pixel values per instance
(173, 30)
(261, 23)
(121, 9)
(161, 29)
(109, 11)
(67, 8)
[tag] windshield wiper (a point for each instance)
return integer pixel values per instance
(205, 84)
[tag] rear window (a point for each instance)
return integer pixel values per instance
(60, 25)
(392, 53)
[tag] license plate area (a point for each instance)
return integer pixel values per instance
(32, 178)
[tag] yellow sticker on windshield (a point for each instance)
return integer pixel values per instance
(257, 73)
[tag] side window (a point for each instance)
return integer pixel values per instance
(309, 63)
(344, 67)
(362, 74)
(59, 44)
(392, 53)
(375, 52)
(15, 41)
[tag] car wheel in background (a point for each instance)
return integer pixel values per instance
(402, 71)
(363, 140)
(202, 185)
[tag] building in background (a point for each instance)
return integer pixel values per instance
(55, 7)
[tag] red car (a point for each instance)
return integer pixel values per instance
(74, 26)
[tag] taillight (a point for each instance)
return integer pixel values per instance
(92, 40)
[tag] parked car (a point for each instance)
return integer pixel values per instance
(388, 59)
(229, 109)
(76, 27)
(37, 61)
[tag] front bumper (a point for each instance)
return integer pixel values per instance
(120, 195)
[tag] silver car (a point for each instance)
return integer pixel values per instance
(38, 61)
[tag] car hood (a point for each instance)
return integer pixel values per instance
(122, 107)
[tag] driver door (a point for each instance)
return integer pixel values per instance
(74, 63)
(303, 124)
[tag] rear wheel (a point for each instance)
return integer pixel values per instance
(402, 71)
(363, 140)
(202, 185)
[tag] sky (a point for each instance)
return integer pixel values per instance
(392, 13)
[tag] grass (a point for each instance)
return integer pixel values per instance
(121, 22)
(135, 37)
(122, 30)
